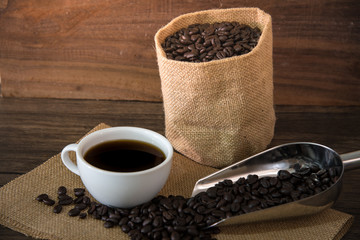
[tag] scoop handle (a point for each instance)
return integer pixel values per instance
(351, 160)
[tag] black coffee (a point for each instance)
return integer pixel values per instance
(124, 156)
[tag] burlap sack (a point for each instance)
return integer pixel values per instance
(219, 112)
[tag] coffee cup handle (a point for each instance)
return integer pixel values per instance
(66, 159)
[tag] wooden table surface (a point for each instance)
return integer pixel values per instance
(33, 130)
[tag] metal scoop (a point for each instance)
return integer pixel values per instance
(285, 157)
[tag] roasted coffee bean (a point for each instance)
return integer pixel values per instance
(263, 191)
(295, 195)
(96, 215)
(193, 231)
(295, 180)
(276, 194)
(64, 196)
(285, 191)
(49, 201)
(74, 212)
(125, 228)
(102, 210)
(273, 181)
(146, 229)
(228, 197)
(86, 200)
(265, 183)
(168, 215)
(115, 215)
(283, 175)
(221, 203)
(41, 197)
(314, 168)
(321, 172)
(296, 175)
(228, 182)
(304, 171)
(108, 224)
(78, 200)
(175, 236)
(123, 221)
(201, 209)
(325, 180)
(198, 218)
(251, 179)
(136, 220)
(66, 200)
(302, 189)
(62, 190)
(82, 215)
(218, 213)
(92, 207)
(57, 209)
(79, 192)
(221, 55)
(241, 181)
(81, 206)
(253, 203)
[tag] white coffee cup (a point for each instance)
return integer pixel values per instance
(120, 189)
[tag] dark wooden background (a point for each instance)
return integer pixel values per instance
(100, 49)
(105, 49)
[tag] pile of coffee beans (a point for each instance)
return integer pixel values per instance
(207, 42)
(177, 217)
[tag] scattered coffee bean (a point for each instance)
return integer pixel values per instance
(208, 42)
(108, 224)
(86, 200)
(284, 175)
(62, 190)
(176, 217)
(57, 209)
(41, 197)
(74, 212)
(65, 200)
(81, 206)
(49, 201)
(79, 192)
(78, 200)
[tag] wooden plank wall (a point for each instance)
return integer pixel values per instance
(101, 49)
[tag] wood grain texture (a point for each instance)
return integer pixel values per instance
(105, 49)
(3, 4)
(33, 130)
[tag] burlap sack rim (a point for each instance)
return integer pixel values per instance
(159, 33)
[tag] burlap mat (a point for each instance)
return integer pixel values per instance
(21, 212)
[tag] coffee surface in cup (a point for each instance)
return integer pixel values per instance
(124, 156)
